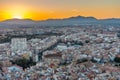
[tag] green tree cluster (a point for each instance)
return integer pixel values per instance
(24, 63)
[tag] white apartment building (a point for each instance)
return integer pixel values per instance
(18, 45)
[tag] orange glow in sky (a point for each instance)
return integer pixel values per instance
(45, 9)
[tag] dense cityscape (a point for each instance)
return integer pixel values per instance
(59, 39)
(87, 52)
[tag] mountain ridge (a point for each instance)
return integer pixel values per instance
(71, 21)
(73, 17)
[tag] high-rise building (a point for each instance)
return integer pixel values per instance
(18, 45)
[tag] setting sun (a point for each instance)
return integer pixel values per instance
(18, 17)
(16, 12)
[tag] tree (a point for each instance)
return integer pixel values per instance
(87, 41)
(82, 60)
(117, 59)
(24, 63)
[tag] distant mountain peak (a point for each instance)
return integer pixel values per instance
(82, 18)
(15, 19)
(18, 21)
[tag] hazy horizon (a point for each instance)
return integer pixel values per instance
(58, 18)
(58, 9)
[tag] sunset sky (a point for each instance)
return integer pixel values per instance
(45, 9)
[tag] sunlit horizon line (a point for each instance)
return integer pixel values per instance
(22, 18)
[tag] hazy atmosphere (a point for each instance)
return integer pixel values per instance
(59, 39)
(44, 9)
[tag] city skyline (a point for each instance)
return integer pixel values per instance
(46, 9)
